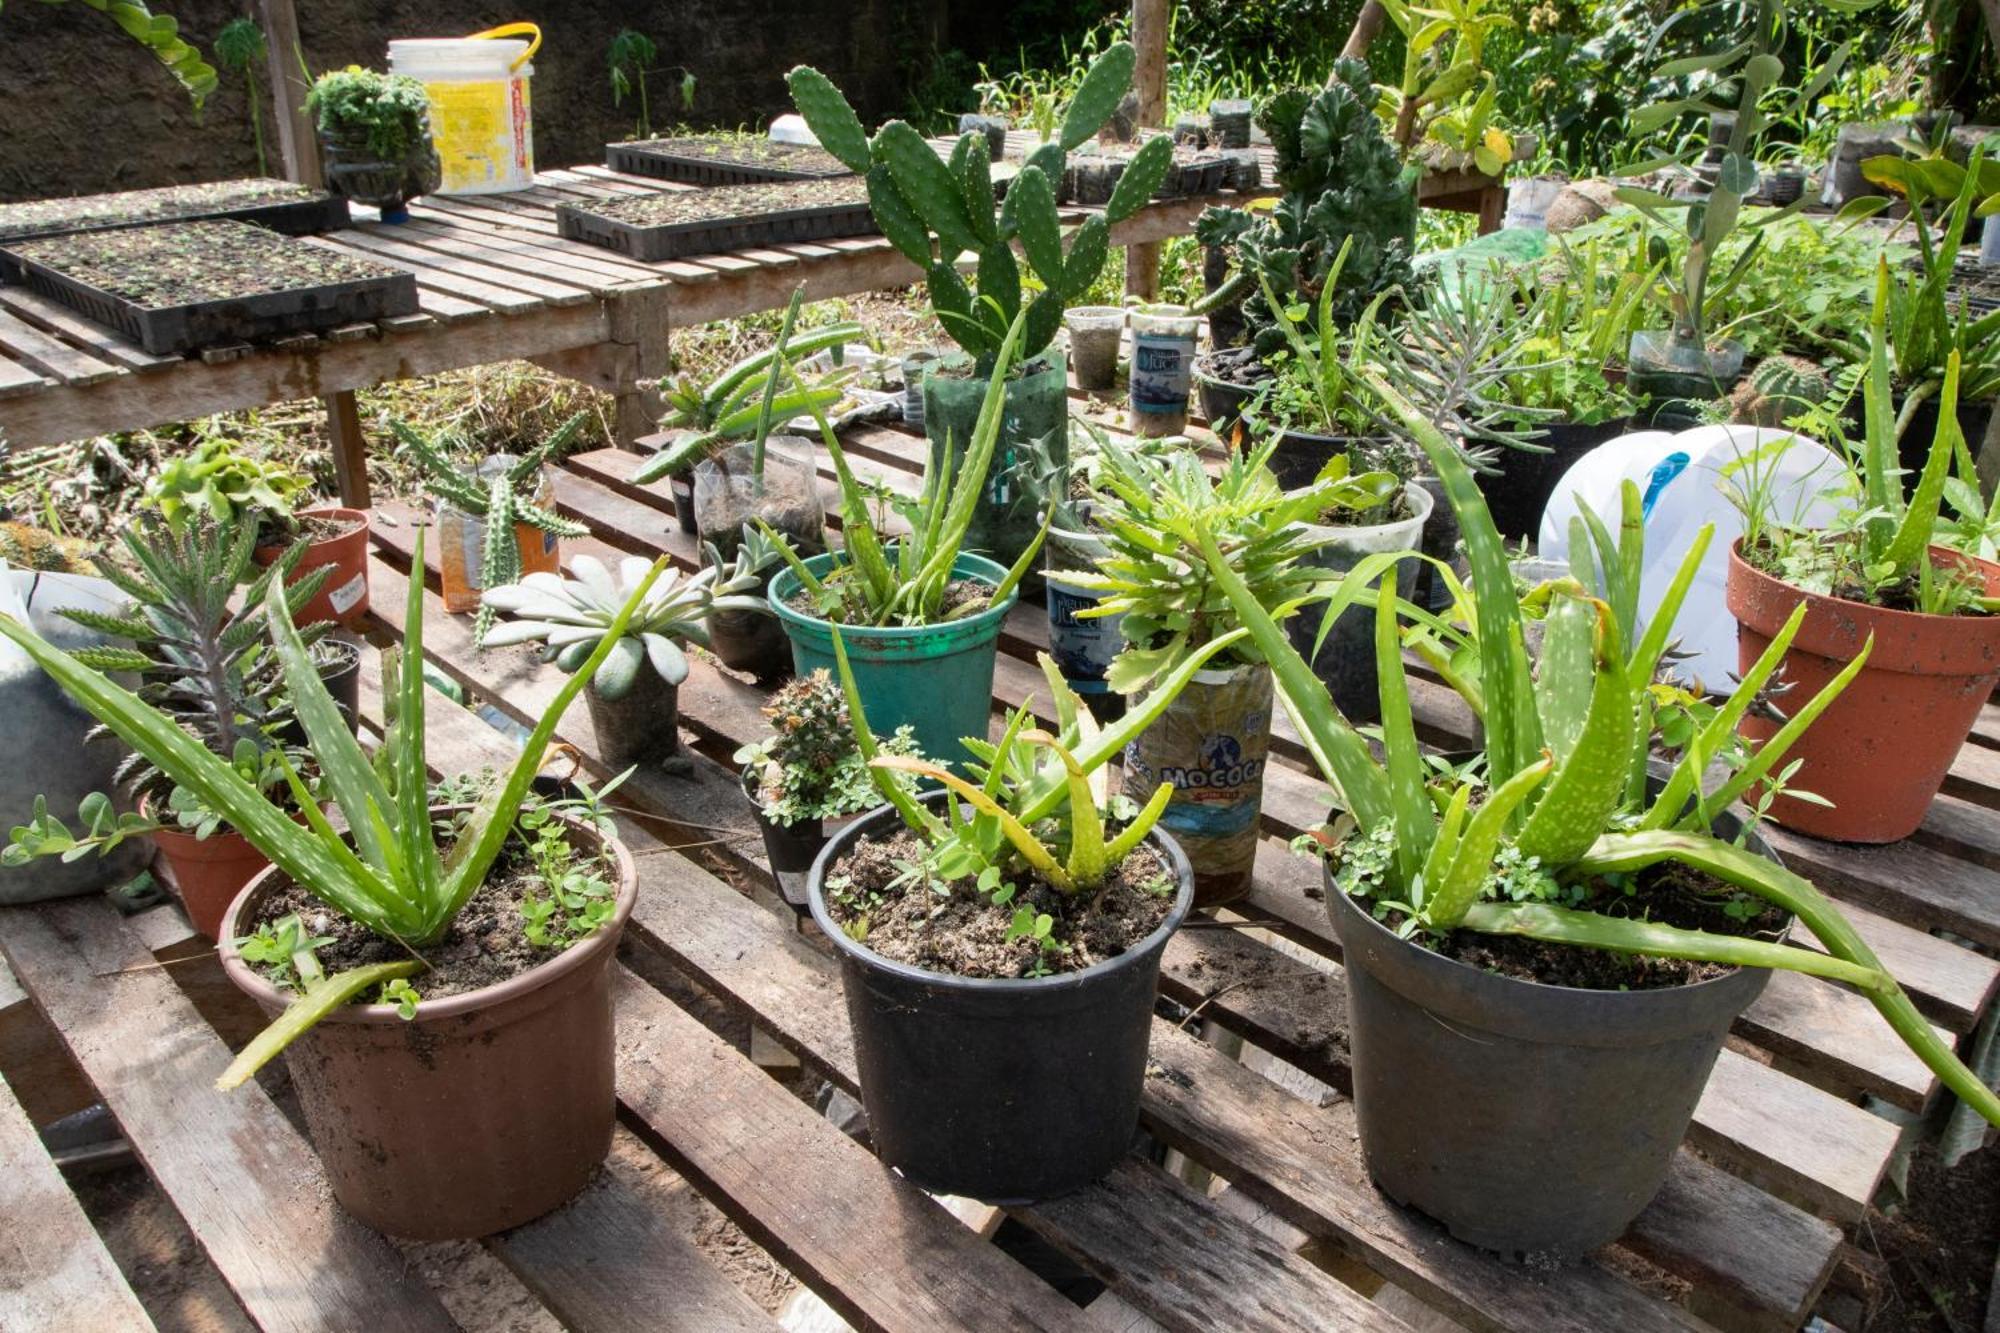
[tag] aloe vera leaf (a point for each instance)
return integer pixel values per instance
(1772, 751)
(1588, 785)
(1473, 862)
(1415, 821)
(319, 999)
(1142, 824)
(1444, 846)
(1089, 859)
(1911, 544)
(1563, 925)
(1027, 844)
(1565, 679)
(919, 819)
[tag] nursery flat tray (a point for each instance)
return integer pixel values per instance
(364, 291)
(730, 217)
(283, 206)
(722, 160)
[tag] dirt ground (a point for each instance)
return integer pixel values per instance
(1937, 1249)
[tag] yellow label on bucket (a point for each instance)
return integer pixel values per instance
(482, 131)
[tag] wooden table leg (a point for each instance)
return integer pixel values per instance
(350, 449)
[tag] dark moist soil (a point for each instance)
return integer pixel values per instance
(956, 594)
(748, 150)
(1938, 1248)
(1668, 894)
(186, 263)
(314, 530)
(732, 201)
(963, 935)
(157, 205)
(483, 947)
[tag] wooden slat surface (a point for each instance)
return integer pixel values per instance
(236, 1170)
(55, 1274)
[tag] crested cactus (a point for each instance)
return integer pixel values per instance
(933, 209)
(1778, 389)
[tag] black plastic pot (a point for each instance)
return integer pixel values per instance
(1345, 661)
(790, 848)
(339, 662)
(642, 727)
(1009, 1091)
(1525, 1117)
(1914, 445)
(1519, 492)
(1222, 401)
(1441, 534)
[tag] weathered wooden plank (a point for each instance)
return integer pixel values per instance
(55, 1274)
(17, 379)
(391, 244)
(523, 267)
(878, 1250)
(25, 343)
(246, 1182)
(610, 1262)
(445, 274)
(1139, 1202)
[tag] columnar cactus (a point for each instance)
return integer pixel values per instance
(922, 201)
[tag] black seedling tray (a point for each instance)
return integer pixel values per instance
(287, 217)
(182, 329)
(648, 158)
(708, 236)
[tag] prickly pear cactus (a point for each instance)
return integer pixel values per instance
(934, 209)
(1778, 389)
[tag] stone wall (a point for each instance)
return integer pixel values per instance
(83, 109)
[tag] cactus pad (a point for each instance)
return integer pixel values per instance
(1104, 83)
(830, 118)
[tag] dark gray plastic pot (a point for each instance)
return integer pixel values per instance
(791, 848)
(1345, 662)
(1004, 1090)
(1525, 1117)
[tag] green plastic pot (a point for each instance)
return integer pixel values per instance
(936, 678)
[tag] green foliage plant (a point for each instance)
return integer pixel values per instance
(239, 47)
(628, 58)
(1446, 93)
(933, 210)
(159, 34)
(386, 873)
(1347, 217)
(809, 767)
(221, 482)
(1877, 548)
(1565, 764)
(903, 582)
(1172, 599)
(502, 500)
(571, 615)
(389, 113)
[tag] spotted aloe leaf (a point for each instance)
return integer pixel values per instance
(1589, 783)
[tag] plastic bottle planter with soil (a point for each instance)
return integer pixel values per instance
(355, 172)
(936, 679)
(1675, 377)
(1036, 408)
(1163, 342)
(1210, 745)
(915, 366)
(337, 537)
(462, 541)
(1345, 663)
(427, 1127)
(1881, 751)
(1531, 1172)
(1082, 648)
(1094, 335)
(727, 494)
(994, 128)
(1008, 1090)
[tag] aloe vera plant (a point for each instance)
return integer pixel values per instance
(1565, 760)
(387, 872)
(903, 580)
(933, 210)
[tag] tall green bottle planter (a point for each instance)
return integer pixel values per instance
(1037, 408)
(936, 678)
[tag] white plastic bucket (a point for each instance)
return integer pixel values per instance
(1682, 483)
(480, 109)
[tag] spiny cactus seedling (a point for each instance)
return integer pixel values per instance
(1778, 389)
(501, 500)
(26, 546)
(919, 198)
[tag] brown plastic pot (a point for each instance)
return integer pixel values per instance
(484, 1111)
(209, 872)
(1879, 753)
(344, 597)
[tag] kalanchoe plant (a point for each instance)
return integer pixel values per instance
(387, 872)
(1173, 601)
(221, 482)
(1346, 192)
(933, 210)
(503, 500)
(1565, 778)
(904, 581)
(570, 617)
(809, 767)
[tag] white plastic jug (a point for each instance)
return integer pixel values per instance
(480, 110)
(1681, 483)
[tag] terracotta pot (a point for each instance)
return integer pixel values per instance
(344, 597)
(1880, 752)
(209, 872)
(483, 1112)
